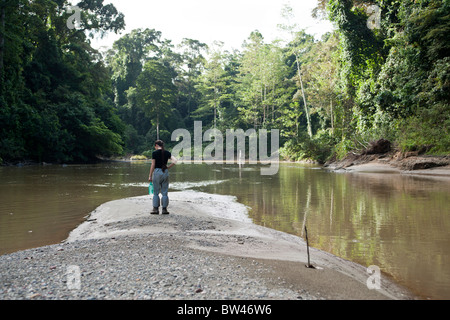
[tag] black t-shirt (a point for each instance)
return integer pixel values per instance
(157, 155)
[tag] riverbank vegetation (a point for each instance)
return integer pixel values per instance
(384, 73)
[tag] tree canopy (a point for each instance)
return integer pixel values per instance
(63, 101)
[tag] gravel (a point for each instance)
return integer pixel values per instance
(206, 249)
(137, 267)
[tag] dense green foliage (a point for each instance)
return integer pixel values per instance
(55, 102)
(62, 101)
(394, 80)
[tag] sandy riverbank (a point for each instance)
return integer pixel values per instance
(206, 248)
(437, 167)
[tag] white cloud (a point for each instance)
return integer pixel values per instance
(230, 21)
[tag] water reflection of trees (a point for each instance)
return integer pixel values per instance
(390, 220)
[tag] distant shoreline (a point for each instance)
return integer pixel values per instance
(394, 162)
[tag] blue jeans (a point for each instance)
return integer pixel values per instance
(160, 185)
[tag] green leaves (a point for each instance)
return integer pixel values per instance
(97, 17)
(99, 140)
(213, 86)
(59, 102)
(398, 76)
(55, 104)
(262, 81)
(155, 92)
(155, 89)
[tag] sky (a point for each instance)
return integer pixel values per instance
(229, 21)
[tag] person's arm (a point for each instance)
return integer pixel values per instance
(173, 161)
(152, 168)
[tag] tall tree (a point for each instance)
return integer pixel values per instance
(262, 81)
(299, 45)
(212, 85)
(321, 75)
(127, 58)
(193, 64)
(54, 93)
(156, 92)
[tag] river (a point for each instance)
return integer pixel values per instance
(397, 222)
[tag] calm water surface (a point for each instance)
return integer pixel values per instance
(398, 222)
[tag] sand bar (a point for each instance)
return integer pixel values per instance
(206, 248)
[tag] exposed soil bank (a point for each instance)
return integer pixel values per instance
(394, 161)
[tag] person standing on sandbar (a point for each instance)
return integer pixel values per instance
(159, 175)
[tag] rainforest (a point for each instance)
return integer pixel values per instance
(62, 101)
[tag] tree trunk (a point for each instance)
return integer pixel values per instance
(332, 117)
(157, 124)
(215, 112)
(264, 106)
(2, 42)
(308, 118)
(215, 100)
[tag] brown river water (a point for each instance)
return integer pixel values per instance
(400, 223)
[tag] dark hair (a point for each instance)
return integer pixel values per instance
(161, 144)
